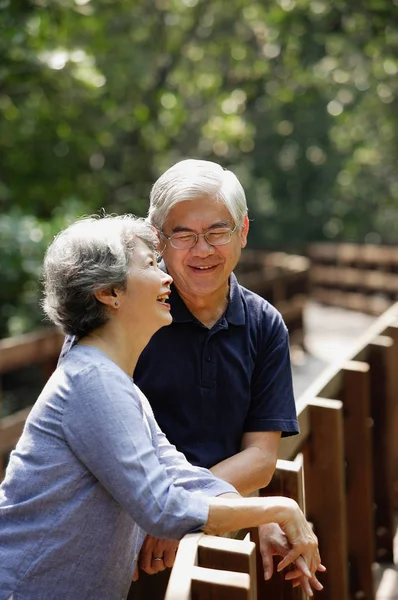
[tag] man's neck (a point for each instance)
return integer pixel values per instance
(207, 309)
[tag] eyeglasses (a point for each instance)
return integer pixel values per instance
(186, 240)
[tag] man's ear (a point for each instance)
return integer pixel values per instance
(108, 296)
(244, 231)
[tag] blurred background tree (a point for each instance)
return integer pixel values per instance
(97, 98)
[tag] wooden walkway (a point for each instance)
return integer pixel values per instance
(330, 333)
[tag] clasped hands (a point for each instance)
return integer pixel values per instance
(156, 555)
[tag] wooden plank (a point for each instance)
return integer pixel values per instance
(358, 455)
(389, 318)
(29, 349)
(11, 429)
(226, 554)
(324, 475)
(392, 332)
(382, 373)
(179, 587)
(212, 584)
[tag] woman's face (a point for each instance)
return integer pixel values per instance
(144, 302)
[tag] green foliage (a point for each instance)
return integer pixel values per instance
(97, 98)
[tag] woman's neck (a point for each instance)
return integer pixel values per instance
(117, 346)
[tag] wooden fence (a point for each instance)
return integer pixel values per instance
(360, 277)
(40, 350)
(342, 469)
(282, 279)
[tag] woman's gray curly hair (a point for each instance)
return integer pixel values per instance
(93, 253)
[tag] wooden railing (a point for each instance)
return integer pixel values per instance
(362, 277)
(342, 468)
(283, 280)
(41, 350)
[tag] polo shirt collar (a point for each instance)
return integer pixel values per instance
(234, 314)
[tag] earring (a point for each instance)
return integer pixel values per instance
(116, 303)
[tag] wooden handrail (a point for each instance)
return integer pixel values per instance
(29, 349)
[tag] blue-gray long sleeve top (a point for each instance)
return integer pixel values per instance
(90, 476)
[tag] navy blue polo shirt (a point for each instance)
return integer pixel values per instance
(209, 386)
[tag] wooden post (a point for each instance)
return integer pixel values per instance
(358, 454)
(325, 493)
(392, 332)
(232, 575)
(382, 370)
(236, 557)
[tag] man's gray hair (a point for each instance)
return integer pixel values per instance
(192, 179)
(92, 254)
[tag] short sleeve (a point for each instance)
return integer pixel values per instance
(272, 406)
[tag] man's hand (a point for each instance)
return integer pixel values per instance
(156, 555)
(273, 542)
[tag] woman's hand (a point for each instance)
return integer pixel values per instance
(273, 542)
(302, 539)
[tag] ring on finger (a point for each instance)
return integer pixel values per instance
(158, 558)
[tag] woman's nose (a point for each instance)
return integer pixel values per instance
(167, 279)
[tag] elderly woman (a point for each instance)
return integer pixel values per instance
(92, 472)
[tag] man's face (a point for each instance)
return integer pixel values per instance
(203, 269)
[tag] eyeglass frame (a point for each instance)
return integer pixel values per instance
(198, 235)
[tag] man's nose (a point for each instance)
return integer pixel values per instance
(202, 247)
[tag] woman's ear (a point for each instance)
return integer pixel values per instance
(108, 296)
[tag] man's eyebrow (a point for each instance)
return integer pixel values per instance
(218, 225)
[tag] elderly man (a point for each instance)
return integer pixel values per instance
(219, 377)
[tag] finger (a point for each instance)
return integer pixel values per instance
(148, 570)
(146, 556)
(316, 583)
(268, 563)
(169, 556)
(289, 558)
(302, 566)
(305, 584)
(158, 565)
(295, 574)
(312, 559)
(321, 567)
(136, 574)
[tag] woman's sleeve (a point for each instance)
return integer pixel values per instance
(187, 476)
(105, 427)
